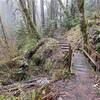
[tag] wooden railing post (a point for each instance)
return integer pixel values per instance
(96, 58)
(70, 58)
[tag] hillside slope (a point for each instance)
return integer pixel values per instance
(74, 37)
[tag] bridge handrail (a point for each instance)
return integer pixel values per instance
(92, 50)
(88, 51)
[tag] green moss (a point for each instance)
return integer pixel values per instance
(28, 44)
(48, 65)
(8, 97)
(97, 32)
(61, 73)
(41, 61)
(98, 47)
(19, 75)
(2, 98)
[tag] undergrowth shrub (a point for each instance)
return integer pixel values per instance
(25, 40)
(98, 47)
(70, 22)
(49, 28)
(61, 73)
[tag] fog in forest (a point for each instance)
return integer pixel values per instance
(49, 49)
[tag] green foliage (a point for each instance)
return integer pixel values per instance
(2, 98)
(70, 22)
(37, 64)
(49, 28)
(25, 40)
(89, 8)
(28, 44)
(8, 97)
(48, 66)
(97, 32)
(41, 61)
(98, 47)
(41, 65)
(97, 40)
(61, 73)
(19, 75)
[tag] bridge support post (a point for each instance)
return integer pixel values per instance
(70, 59)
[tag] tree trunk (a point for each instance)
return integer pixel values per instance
(52, 9)
(98, 7)
(62, 6)
(73, 8)
(34, 11)
(60, 17)
(42, 12)
(31, 25)
(5, 38)
(83, 24)
(66, 4)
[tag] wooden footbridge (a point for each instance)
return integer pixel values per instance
(83, 62)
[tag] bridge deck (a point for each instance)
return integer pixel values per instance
(82, 86)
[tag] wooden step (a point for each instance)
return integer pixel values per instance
(63, 44)
(59, 38)
(63, 47)
(65, 50)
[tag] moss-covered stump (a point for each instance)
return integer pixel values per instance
(36, 61)
(42, 61)
(7, 69)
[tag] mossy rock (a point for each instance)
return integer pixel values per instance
(48, 66)
(42, 59)
(51, 44)
(20, 75)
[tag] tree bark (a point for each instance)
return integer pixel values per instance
(34, 12)
(54, 11)
(5, 37)
(31, 25)
(62, 6)
(42, 12)
(83, 24)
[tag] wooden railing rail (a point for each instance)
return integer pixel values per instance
(93, 56)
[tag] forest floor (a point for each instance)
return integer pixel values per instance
(74, 36)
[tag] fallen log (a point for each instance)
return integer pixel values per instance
(27, 56)
(16, 89)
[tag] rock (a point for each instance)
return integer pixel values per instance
(60, 98)
(7, 82)
(43, 81)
